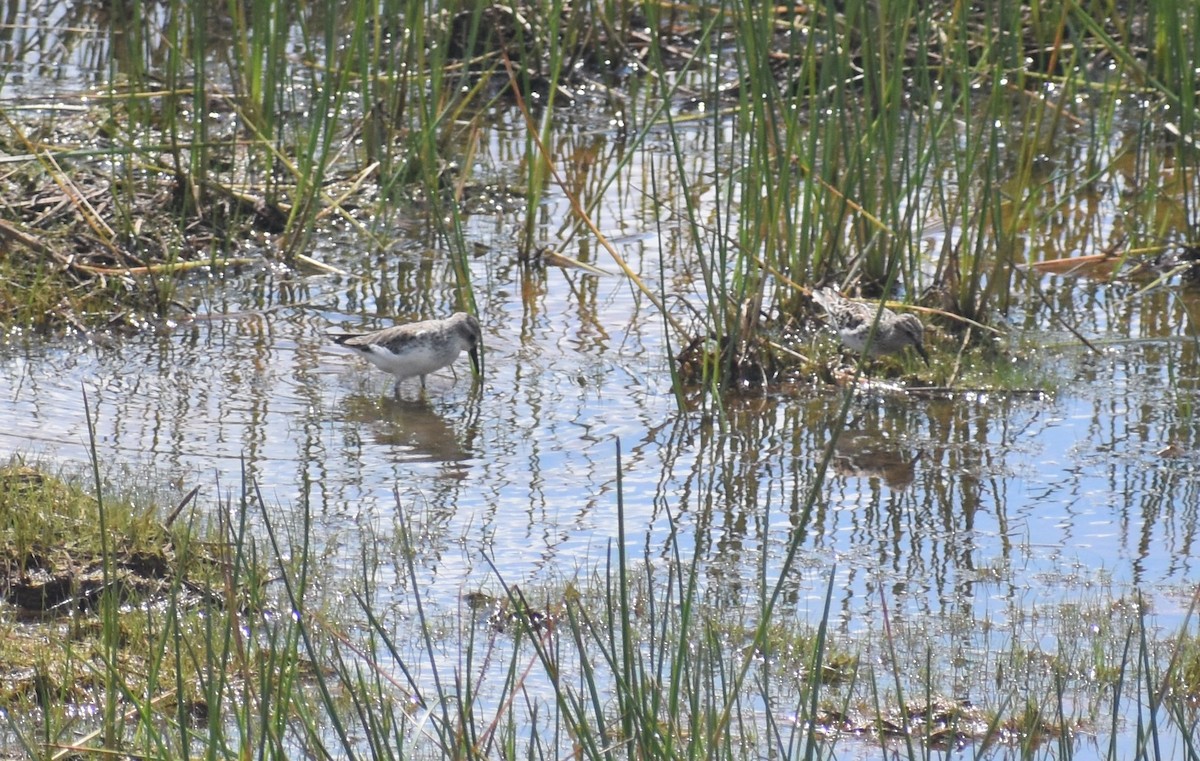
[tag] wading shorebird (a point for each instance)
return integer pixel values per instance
(417, 348)
(853, 321)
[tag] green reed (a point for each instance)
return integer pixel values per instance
(639, 651)
(857, 131)
(638, 656)
(877, 131)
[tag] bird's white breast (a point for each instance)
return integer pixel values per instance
(415, 359)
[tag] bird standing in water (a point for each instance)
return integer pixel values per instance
(418, 348)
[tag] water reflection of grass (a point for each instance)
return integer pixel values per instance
(181, 641)
(913, 151)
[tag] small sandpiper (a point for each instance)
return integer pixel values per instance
(853, 321)
(417, 348)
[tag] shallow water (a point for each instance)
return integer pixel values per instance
(947, 503)
(980, 509)
(973, 508)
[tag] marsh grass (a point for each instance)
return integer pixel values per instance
(906, 151)
(901, 150)
(642, 656)
(212, 641)
(99, 584)
(916, 157)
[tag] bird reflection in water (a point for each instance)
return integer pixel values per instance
(866, 452)
(411, 427)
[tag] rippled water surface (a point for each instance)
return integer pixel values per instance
(965, 503)
(946, 508)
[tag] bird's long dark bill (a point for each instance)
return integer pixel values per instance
(921, 350)
(476, 363)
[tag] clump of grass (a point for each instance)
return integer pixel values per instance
(52, 556)
(1189, 670)
(146, 618)
(89, 250)
(43, 513)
